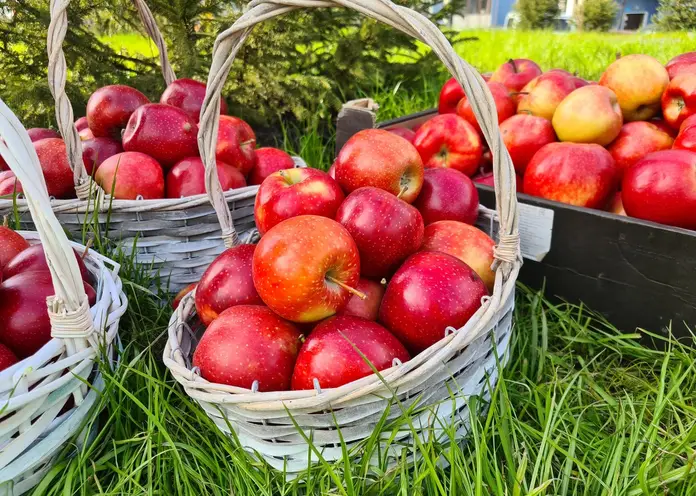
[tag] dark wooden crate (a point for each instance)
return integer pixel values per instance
(638, 274)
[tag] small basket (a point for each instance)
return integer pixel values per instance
(441, 379)
(173, 238)
(34, 392)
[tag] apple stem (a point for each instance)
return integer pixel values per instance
(87, 247)
(383, 282)
(514, 66)
(351, 290)
(401, 193)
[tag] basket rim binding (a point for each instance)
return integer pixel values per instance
(507, 252)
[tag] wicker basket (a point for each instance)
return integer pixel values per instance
(33, 392)
(441, 379)
(176, 238)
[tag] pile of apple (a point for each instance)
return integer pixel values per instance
(626, 144)
(141, 150)
(381, 259)
(25, 283)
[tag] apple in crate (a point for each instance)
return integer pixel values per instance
(33, 259)
(96, 150)
(662, 188)
(407, 134)
(386, 229)
(504, 105)
(249, 343)
(11, 245)
(188, 94)
(39, 133)
(449, 141)
(430, 292)
(686, 139)
(24, 323)
(447, 194)
(292, 192)
(542, 95)
(163, 132)
(367, 308)
(130, 175)
(516, 73)
(616, 205)
(378, 158)
(236, 144)
(489, 180)
(306, 268)
(227, 282)
(329, 354)
(7, 358)
(187, 178)
(450, 94)
(679, 99)
(110, 107)
(523, 136)
(684, 63)
(268, 161)
(590, 114)
(55, 167)
(635, 141)
(583, 175)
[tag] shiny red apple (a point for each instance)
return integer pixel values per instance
(635, 141)
(449, 141)
(516, 73)
(450, 94)
(39, 133)
(188, 94)
(268, 161)
(369, 307)
(524, 135)
(81, 124)
(187, 178)
(110, 107)
(96, 150)
(406, 133)
(33, 259)
(9, 184)
(236, 144)
(11, 245)
(447, 194)
(686, 139)
(684, 63)
(130, 175)
(504, 104)
(679, 99)
(53, 158)
(489, 180)
(7, 358)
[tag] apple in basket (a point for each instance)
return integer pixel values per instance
(268, 161)
(188, 94)
(33, 259)
(447, 194)
(344, 349)
(56, 170)
(96, 150)
(11, 245)
(181, 294)
(110, 107)
(128, 175)
(523, 136)
(449, 141)
(504, 105)
(81, 124)
(7, 358)
(39, 133)
(236, 143)
(367, 308)
(187, 178)
(9, 184)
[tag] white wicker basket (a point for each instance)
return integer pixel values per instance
(441, 379)
(34, 391)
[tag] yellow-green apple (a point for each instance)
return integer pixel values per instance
(386, 229)
(450, 94)
(516, 73)
(164, 132)
(306, 268)
(227, 282)
(39, 133)
(635, 141)
(504, 105)
(180, 295)
(268, 161)
(129, 175)
(682, 64)
(369, 307)
(489, 180)
(662, 188)
(236, 143)
(638, 82)
(418, 305)
(590, 114)
(447, 194)
(248, 344)
(541, 95)
(329, 354)
(292, 192)
(188, 95)
(96, 150)
(583, 175)
(56, 169)
(187, 178)
(7, 358)
(679, 99)
(110, 107)
(686, 139)
(406, 133)
(378, 158)
(465, 242)
(616, 205)
(524, 135)
(449, 141)
(11, 245)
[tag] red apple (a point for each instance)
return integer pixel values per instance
(236, 144)
(329, 354)
(369, 307)
(81, 124)
(616, 205)
(110, 107)
(39, 133)
(679, 99)
(7, 358)
(24, 323)
(164, 132)
(9, 184)
(386, 230)
(292, 192)
(588, 115)
(488, 180)
(187, 178)
(268, 161)
(686, 139)
(305, 268)
(188, 95)
(378, 158)
(447, 194)
(504, 105)
(33, 259)
(87, 134)
(660, 123)
(96, 150)
(541, 95)
(662, 188)
(181, 294)
(450, 94)
(431, 291)
(635, 141)
(249, 343)
(583, 175)
(11, 245)
(449, 141)
(682, 64)
(524, 135)
(515, 74)
(55, 167)
(465, 242)
(128, 175)
(227, 283)
(404, 132)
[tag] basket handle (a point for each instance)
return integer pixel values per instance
(57, 73)
(69, 309)
(404, 19)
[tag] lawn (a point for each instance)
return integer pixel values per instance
(582, 407)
